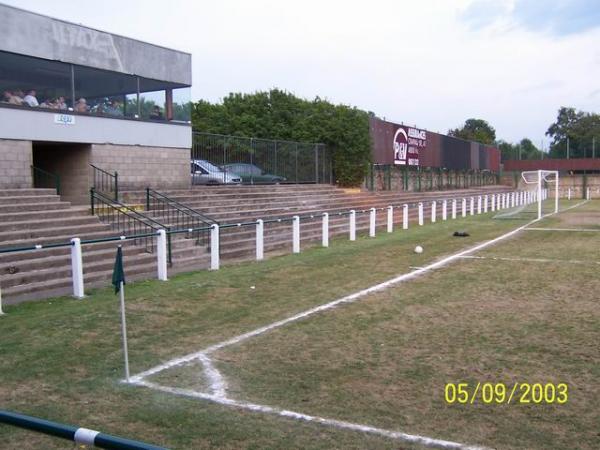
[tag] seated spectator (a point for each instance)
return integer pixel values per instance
(30, 98)
(18, 94)
(11, 99)
(48, 103)
(156, 113)
(60, 103)
(81, 105)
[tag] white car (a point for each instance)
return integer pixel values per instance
(204, 172)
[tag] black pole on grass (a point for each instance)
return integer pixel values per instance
(78, 435)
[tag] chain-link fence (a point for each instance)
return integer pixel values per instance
(220, 159)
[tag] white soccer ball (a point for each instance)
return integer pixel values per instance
(418, 249)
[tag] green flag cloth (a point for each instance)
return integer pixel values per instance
(118, 273)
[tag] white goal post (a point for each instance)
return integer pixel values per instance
(537, 177)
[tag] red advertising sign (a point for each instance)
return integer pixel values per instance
(408, 142)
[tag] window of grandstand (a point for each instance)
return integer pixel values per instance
(34, 83)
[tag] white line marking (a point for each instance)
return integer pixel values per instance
(413, 438)
(542, 260)
(219, 386)
(565, 229)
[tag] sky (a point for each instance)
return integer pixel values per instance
(430, 63)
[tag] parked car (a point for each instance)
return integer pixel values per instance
(252, 174)
(204, 172)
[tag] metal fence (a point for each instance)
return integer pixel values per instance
(243, 160)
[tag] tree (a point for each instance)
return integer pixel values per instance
(278, 114)
(576, 130)
(477, 130)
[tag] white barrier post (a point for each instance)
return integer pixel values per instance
(454, 208)
(464, 207)
(372, 216)
(420, 213)
(214, 247)
(485, 203)
(296, 234)
(352, 225)
(1, 312)
(588, 194)
(405, 217)
(77, 268)
(390, 219)
(260, 240)
(472, 206)
(444, 209)
(161, 255)
(433, 211)
(479, 204)
(325, 230)
(493, 202)
(512, 199)
(569, 194)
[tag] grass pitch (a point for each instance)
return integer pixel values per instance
(382, 361)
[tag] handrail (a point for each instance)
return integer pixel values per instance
(178, 215)
(123, 217)
(38, 174)
(72, 433)
(105, 181)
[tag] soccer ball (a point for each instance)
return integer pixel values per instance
(418, 249)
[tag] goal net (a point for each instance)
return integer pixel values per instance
(536, 197)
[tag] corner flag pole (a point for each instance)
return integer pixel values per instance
(118, 281)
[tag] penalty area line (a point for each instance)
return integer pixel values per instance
(541, 260)
(585, 230)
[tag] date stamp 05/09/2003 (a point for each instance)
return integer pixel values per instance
(502, 393)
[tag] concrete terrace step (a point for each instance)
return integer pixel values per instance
(21, 207)
(42, 233)
(26, 191)
(12, 200)
(41, 223)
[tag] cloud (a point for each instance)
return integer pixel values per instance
(553, 17)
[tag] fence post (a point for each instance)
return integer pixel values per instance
(420, 213)
(569, 194)
(493, 202)
(390, 219)
(352, 225)
(405, 217)
(161, 255)
(433, 211)
(472, 206)
(454, 208)
(260, 242)
(77, 268)
(485, 203)
(464, 207)
(479, 204)
(325, 230)
(444, 209)
(296, 234)
(588, 194)
(116, 186)
(372, 216)
(214, 247)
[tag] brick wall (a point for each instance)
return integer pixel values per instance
(139, 167)
(15, 164)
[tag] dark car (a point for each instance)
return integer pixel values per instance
(252, 174)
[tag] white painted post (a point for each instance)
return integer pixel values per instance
(420, 213)
(479, 204)
(77, 268)
(444, 209)
(556, 194)
(485, 203)
(390, 219)
(588, 194)
(569, 194)
(433, 211)
(539, 194)
(454, 208)
(161, 255)
(1, 312)
(512, 199)
(260, 240)
(325, 230)
(372, 216)
(352, 225)
(464, 207)
(493, 204)
(405, 217)
(214, 247)
(296, 234)
(472, 206)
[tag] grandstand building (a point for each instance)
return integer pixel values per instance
(76, 100)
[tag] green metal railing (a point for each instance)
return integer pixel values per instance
(128, 221)
(72, 433)
(106, 183)
(44, 179)
(179, 216)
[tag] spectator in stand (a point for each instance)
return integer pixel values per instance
(156, 113)
(10, 98)
(18, 94)
(60, 103)
(48, 103)
(30, 98)
(81, 105)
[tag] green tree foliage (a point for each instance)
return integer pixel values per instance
(581, 129)
(525, 149)
(278, 114)
(477, 130)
